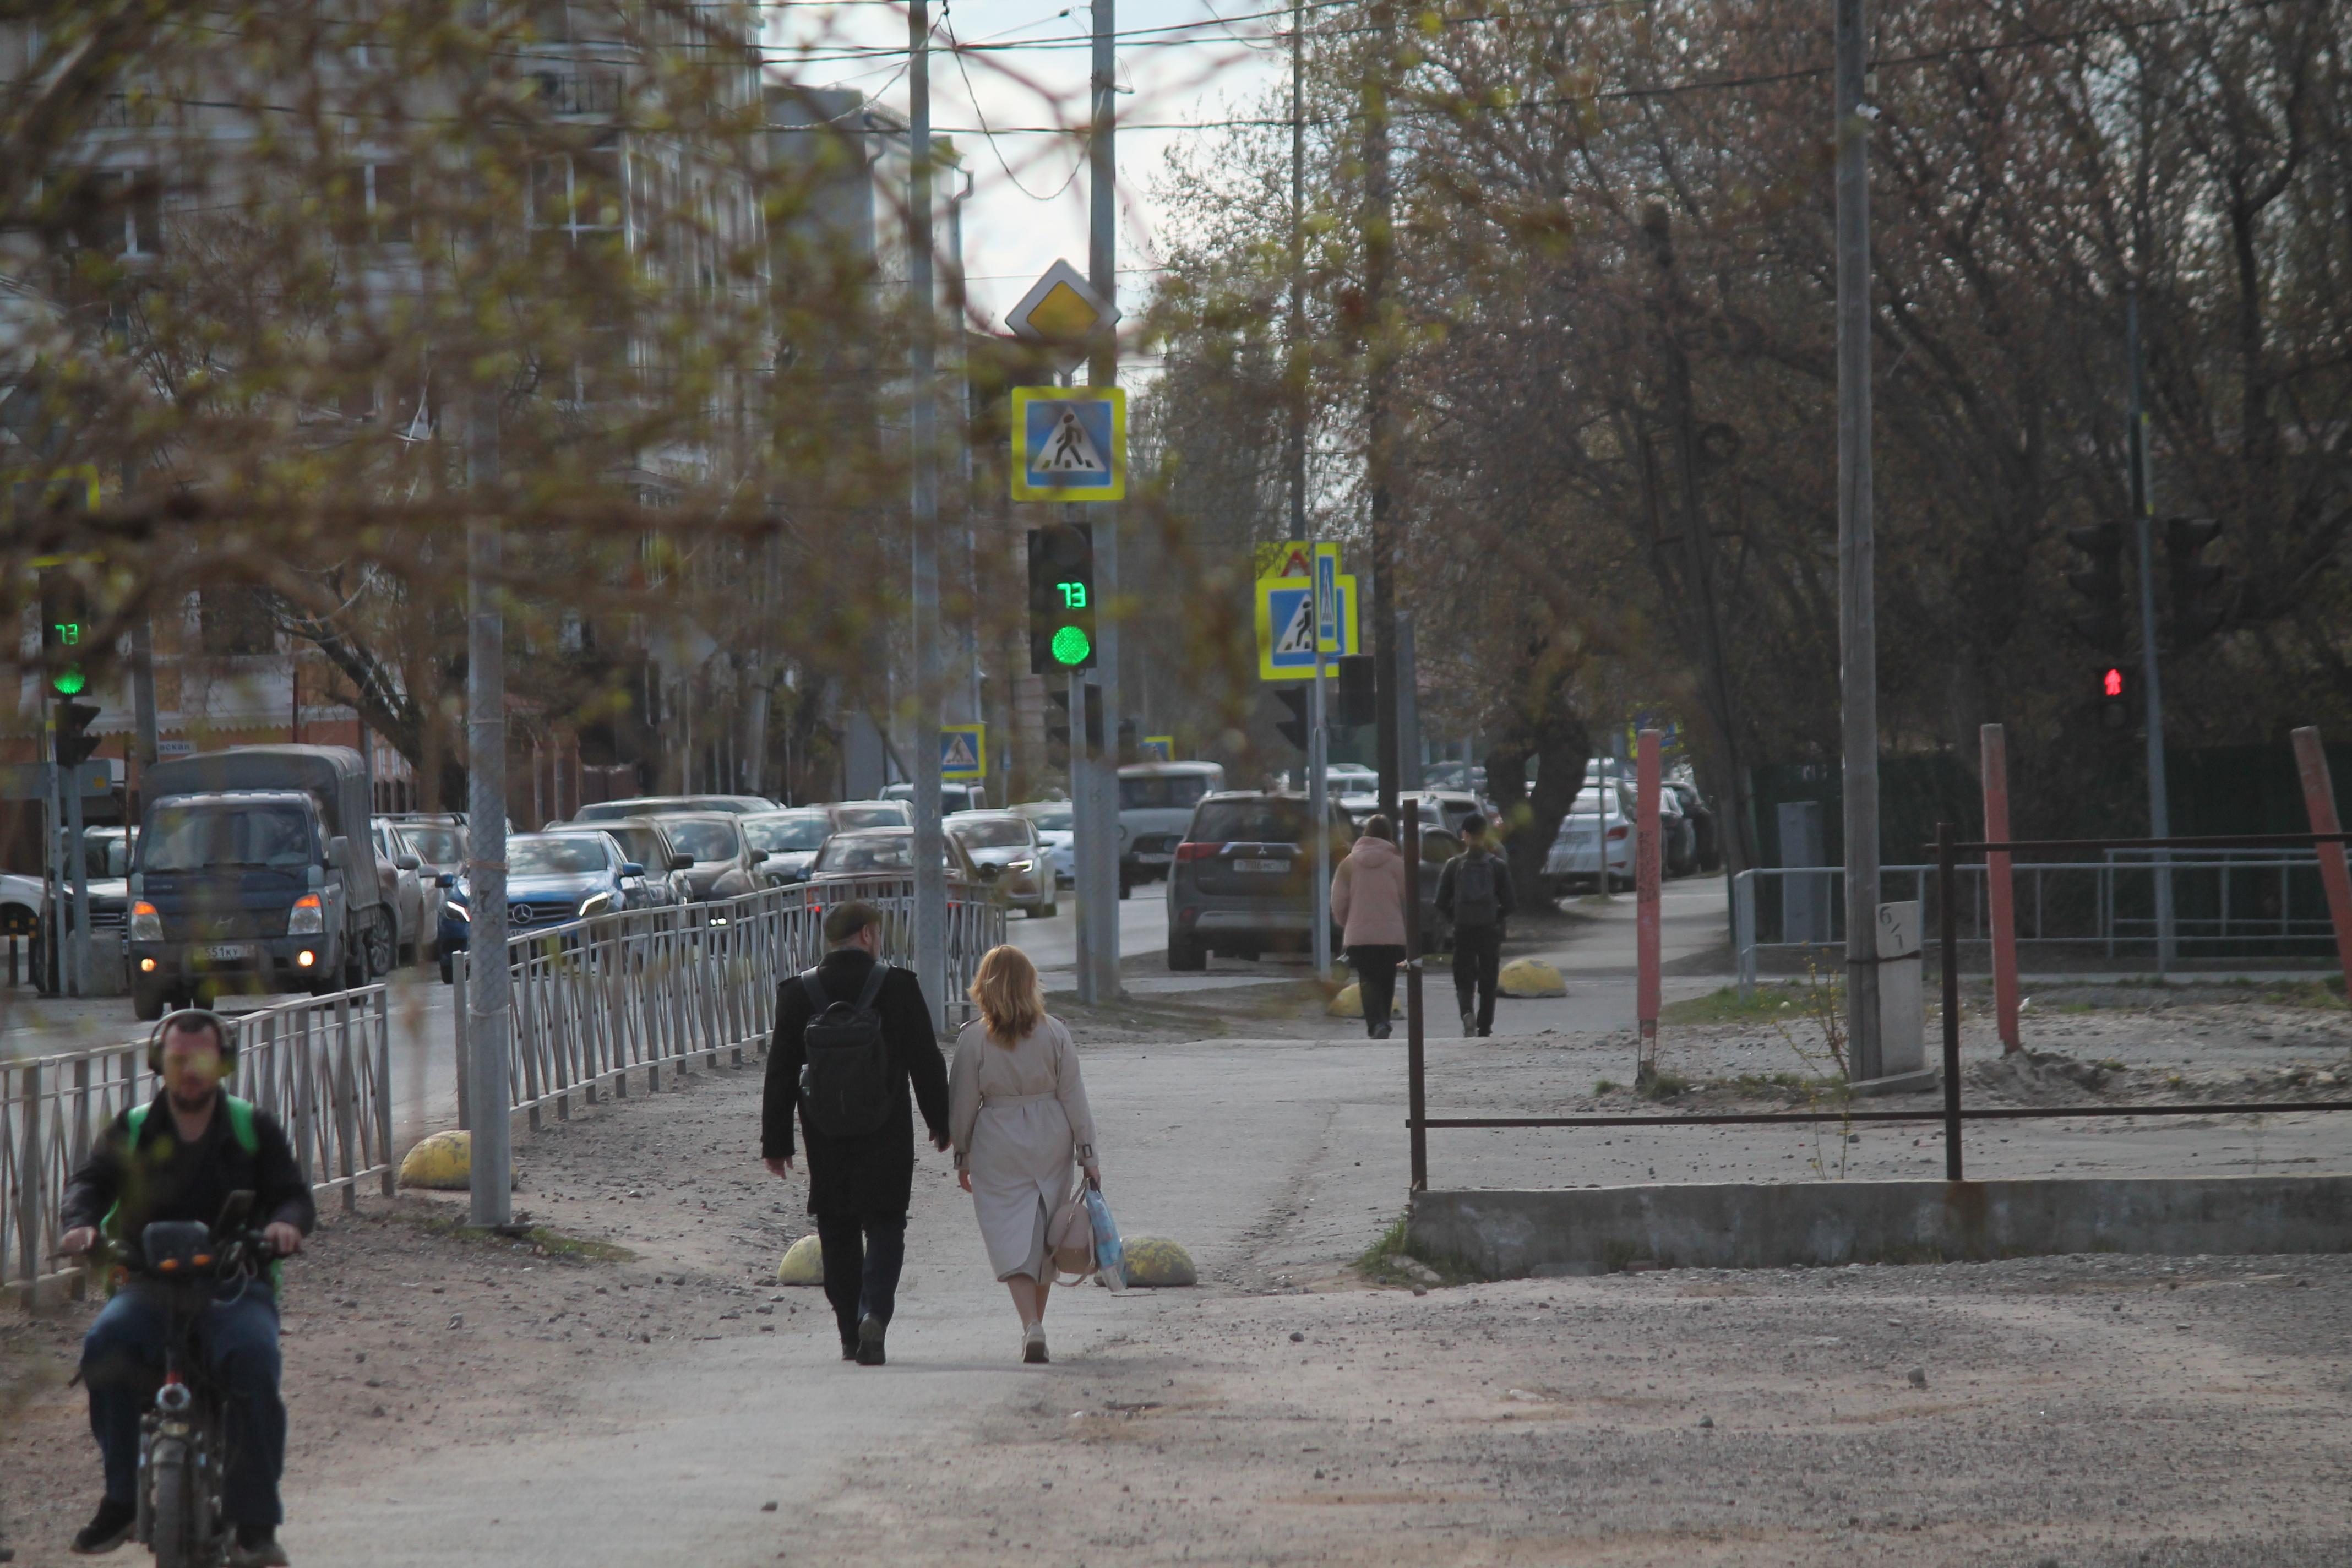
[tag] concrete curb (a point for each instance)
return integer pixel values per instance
(1599, 1230)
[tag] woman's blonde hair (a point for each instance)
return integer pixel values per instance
(1007, 994)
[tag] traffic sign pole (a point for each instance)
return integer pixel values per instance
(2159, 805)
(1102, 266)
(930, 848)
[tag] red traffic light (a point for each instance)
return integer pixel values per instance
(2114, 684)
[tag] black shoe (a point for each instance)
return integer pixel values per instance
(849, 1350)
(257, 1547)
(109, 1527)
(869, 1341)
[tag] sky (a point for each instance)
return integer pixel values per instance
(1180, 62)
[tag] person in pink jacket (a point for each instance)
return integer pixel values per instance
(1367, 895)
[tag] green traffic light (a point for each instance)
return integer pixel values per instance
(1071, 646)
(70, 681)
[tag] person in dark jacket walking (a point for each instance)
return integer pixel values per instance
(1473, 892)
(859, 1187)
(179, 1157)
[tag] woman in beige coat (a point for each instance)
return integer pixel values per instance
(1368, 905)
(1017, 1116)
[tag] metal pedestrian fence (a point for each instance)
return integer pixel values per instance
(1950, 918)
(321, 1067)
(601, 1001)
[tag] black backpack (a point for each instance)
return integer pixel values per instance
(845, 1065)
(1474, 903)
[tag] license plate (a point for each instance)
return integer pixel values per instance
(1276, 867)
(228, 951)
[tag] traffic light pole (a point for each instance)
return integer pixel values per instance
(1098, 898)
(1317, 737)
(2160, 810)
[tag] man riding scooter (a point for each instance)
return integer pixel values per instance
(179, 1157)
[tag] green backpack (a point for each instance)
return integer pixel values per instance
(240, 1127)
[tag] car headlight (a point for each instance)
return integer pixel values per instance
(460, 910)
(146, 925)
(595, 904)
(1018, 865)
(308, 917)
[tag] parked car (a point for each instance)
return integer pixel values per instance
(1677, 839)
(553, 880)
(1573, 862)
(106, 869)
(953, 797)
(1155, 806)
(1351, 778)
(255, 871)
(1240, 883)
(792, 839)
(724, 861)
(1706, 829)
(1009, 858)
(405, 888)
(643, 840)
(886, 852)
(1455, 775)
(1054, 823)
(848, 816)
(671, 805)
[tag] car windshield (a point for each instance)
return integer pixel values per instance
(853, 817)
(705, 841)
(605, 811)
(1172, 791)
(773, 833)
(191, 838)
(996, 833)
(1250, 822)
(1051, 817)
(642, 844)
(891, 852)
(435, 845)
(556, 857)
(1590, 802)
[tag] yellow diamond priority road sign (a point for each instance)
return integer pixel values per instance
(1061, 309)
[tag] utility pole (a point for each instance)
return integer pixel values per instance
(1379, 200)
(1301, 370)
(930, 847)
(1858, 617)
(2143, 506)
(1099, 904)
(489, 1001)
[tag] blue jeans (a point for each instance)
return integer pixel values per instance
(122, 1361)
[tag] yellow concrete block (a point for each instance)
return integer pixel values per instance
(802, 1264)
(1349, 1003)
(444, 1162)
(1157, 1263)
(1532, 977)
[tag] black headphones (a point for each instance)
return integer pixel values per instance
(193, 1018)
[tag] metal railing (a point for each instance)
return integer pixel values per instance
(2223, 900)
(1948, 921)
(322, 1068)
(642, 990)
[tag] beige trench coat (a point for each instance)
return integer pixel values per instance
(1018, 1118)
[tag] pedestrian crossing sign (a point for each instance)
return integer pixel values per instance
(1069, 443)
(1286, 613)
(1156, 749)
(964, 752)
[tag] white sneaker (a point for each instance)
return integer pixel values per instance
(1032, 1345)
(1469, 1022)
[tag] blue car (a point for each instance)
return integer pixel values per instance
(552, 879)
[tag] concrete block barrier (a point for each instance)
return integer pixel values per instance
(1507, 1235)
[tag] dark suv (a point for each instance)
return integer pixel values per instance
(1239, 883)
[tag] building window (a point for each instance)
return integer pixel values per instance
(371, 204)
(116, 212)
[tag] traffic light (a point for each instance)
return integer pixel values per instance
(1295, 696)
(65, 628)
(2196, 610)
(2115, 713)
(1057, 723)
(1354, 705)
(75, 742)
(1061, 599)
(2102, 582)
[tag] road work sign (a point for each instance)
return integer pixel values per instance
(1070, 443)
(1286, 614)
(964, 752)
(1290, 557)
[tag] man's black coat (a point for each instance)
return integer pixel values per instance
(871, 1176)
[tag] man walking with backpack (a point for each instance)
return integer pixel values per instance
(1474, 891)
(851, 1036)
